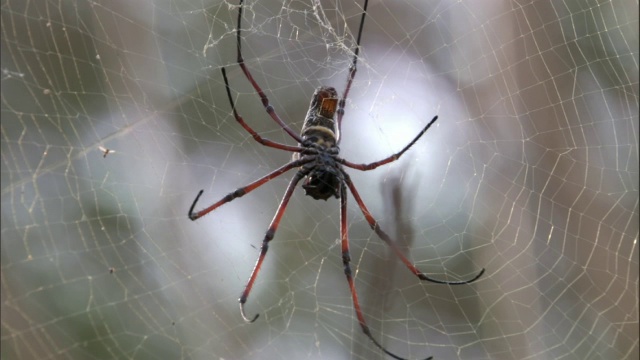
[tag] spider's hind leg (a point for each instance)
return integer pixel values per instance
(271, 231)
(346, 259)
(387, 239)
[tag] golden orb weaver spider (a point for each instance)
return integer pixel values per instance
(321, 167)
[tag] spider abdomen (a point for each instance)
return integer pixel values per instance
(319, 126)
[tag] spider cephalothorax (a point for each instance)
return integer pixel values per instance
(318, 162)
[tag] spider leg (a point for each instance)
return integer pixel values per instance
(352, 71)
(244, 190)
(271, 231)
(258, 138)
(265, 101)
(346, 259)
(374, 225)
(392, 158)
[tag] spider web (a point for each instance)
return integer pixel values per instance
(114, 116)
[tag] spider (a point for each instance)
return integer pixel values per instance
(318, 163)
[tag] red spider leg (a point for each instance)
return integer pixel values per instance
(374, 225)
(265, 101)
(258, 138)
(271, 231)
(346, 259)
(244, 190)
(352, 71)
(392, 158)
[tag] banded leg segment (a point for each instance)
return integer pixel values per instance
(258, 138)
(346, 259)
(352, 71)
(271, 231)
(265, 101)
(244, 190)
(382, 235)
(392, 158)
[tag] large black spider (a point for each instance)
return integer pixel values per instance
(317, 158)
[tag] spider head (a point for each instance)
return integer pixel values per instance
(322, 183)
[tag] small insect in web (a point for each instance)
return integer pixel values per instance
(105, 151)
(318, 163)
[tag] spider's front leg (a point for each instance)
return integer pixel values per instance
(254, 134)
(353, 68)
(265, 101)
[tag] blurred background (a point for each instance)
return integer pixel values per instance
(114, 116)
